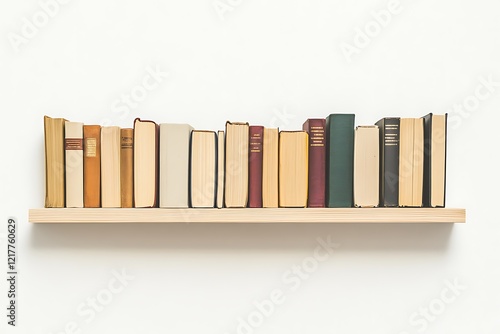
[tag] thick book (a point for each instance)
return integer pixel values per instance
(127, 167)
(270, 168)
(110, 167)
(55, 194)
(145, 164)
(339, 160)
(91, 166)
(411, 162)
(236, 175)
(255, 157)
(293, 169)
(366, 166)
(389, 161)
(220, 168)
(435, 138)
(73, 144)
(174, 165)
(315, 127)
(203, 172)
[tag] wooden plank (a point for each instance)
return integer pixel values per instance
(247, 215)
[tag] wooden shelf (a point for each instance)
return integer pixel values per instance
(247, 215)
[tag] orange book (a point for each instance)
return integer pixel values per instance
(91, 166)
(127, 167)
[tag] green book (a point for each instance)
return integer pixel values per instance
(339, 160)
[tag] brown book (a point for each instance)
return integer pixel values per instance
(315, 127)
(145, 164)
(54, 162)
(255, 166)
(270, 168)
(127, 167)
(91, 166)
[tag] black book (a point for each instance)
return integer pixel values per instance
(389, 161)
(435, 138)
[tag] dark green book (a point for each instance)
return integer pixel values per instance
(339, 160)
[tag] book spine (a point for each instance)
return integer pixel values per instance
(390, 171)
(91, 166)
(317, 162)
(340, 160)
(126, 167)
(73, 145)
(256, 134)
(55, 188)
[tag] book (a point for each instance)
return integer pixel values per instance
(366, 166)
(411, 161)
(110, 167)
(389, 161)
(145, 164)
(55, 195)
(435, 138)
(270, 168)
(315, 127)
(127, 167)
(220, 168)
(339, 160)
(73, 145)
(236, 171)
(92, 166)
(256, 133)
(203, 173)
(174, 165)
(293, 169)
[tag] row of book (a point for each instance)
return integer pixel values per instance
(398, 162)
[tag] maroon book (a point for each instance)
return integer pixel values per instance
(255, 166)
(315, 127)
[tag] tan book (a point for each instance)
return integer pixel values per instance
(411, 162)
(366, 166)
(127, 168)
(293, 168)
(418, 163)
(203, 168)
(73, 144)
(270, 168)
(220, 168)
(236, 171)
(145, 164)
(174, 165)
(91, 166)
(54, 162)
(110, 167)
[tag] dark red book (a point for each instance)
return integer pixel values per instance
(315, 127)
(256, 133)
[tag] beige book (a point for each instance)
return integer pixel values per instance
(174, 165)
(236, 171)
(411, 162)
(203, 168)
(145, 163)
(220, 168)
(418, 163)
(110, 167)
(55, 196)
(270, 168)
(73, 144)
(438, 161)
(366, 166)
(293, 168)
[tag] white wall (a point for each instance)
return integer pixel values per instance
(266, 59)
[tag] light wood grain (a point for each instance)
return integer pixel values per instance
(247, 215)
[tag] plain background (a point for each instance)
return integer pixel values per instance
(266, 59)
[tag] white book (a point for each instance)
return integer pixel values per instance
(366, 166)
(110, 167)
(220, 168)
(73, 143)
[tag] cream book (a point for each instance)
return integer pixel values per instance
(236, 171)
(366, 166)
(110, 167)
(55, 196)
(203, 168)
(220, 168)
(174, 165)
(270, 168)
(411, 162)
(293, 169)
(73, 144)
(145, 164)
